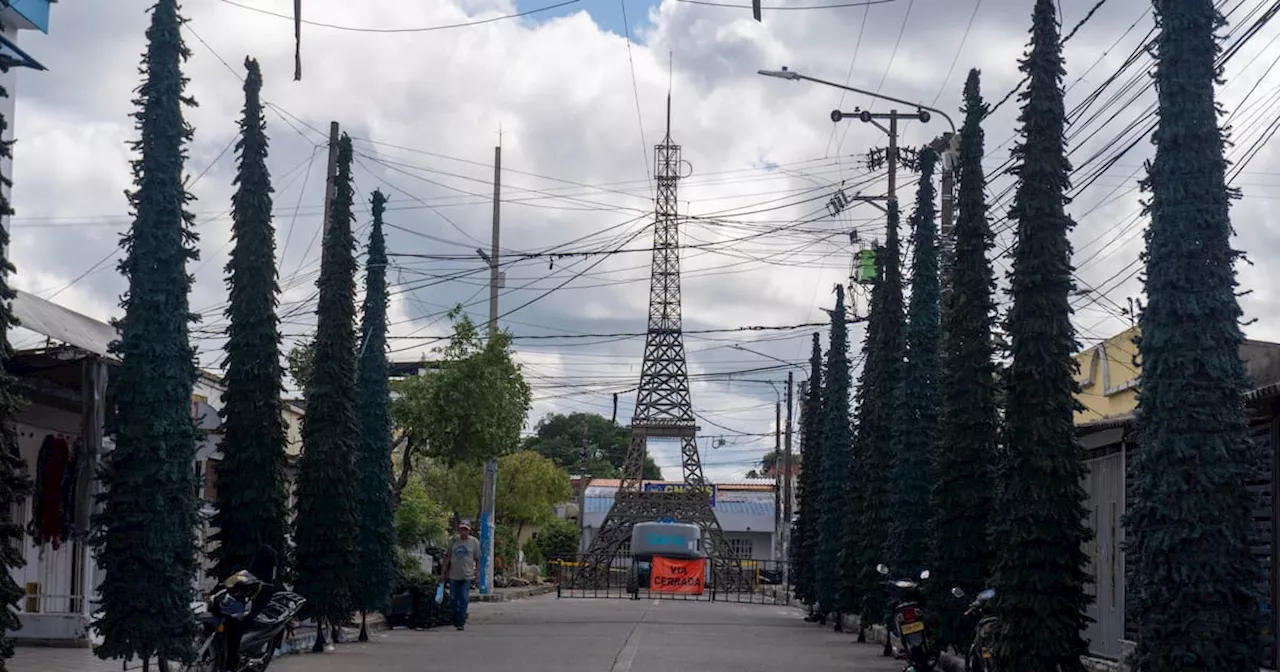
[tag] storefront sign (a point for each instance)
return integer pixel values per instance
(681, 487)
(668, 575)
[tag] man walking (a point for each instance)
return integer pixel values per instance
(460, 568)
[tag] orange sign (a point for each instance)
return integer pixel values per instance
(669, 575)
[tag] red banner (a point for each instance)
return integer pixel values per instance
(669, 575)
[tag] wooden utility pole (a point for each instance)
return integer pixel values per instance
(331, 175)
(777, 479)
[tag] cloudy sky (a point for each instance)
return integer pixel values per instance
(578, 90)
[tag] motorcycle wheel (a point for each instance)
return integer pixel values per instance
(210, 661)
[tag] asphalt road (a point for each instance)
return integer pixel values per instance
(544, 634)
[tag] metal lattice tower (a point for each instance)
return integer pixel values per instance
(663, 406)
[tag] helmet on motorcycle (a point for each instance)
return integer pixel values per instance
(243, 585)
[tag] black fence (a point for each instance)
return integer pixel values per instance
(706, 580)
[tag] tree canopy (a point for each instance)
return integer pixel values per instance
(559, 437)
(471, 404)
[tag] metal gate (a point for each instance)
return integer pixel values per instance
(1105, 485)
(766, 581)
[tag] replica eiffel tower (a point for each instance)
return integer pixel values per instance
(663, 407)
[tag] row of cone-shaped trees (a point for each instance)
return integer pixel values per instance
(934, 473)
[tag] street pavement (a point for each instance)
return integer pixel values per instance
(546, 634)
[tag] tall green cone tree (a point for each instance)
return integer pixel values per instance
(837, 454)
(15, 479)
(915, 427)
(868, 529)
(963, 477)
(377, 536)
(1195, 582)
(804, 539)
(1039, 573)
(325, 526)
(252, 508)
(146, 531)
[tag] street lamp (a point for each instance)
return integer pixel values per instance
(836, 115)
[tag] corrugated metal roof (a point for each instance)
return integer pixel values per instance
(63, 324)
(748, 484)
(761, 509)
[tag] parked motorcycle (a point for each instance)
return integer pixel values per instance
(910, 620)
(236, 637)
(978, 658)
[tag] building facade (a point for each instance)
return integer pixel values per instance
(1109, 378)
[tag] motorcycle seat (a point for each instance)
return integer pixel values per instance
(281, 607)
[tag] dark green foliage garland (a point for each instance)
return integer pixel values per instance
(377, 535)
(804, 540)
(1195, 584)
(964, 486)
(1039, 568)
(325, 527)
(916, 423)
(837, 453)
(145, 537)
(252, 509)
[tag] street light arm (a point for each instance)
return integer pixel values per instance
(793, 75)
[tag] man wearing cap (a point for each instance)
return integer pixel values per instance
(460, 568)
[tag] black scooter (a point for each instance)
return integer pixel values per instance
(911, 621)
(978, 658)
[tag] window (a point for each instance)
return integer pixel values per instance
(741, 547)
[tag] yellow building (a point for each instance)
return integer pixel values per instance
(1108, 378)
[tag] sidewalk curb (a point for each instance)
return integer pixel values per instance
(509, 594)
(304, 636)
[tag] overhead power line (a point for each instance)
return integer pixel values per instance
(421, 29)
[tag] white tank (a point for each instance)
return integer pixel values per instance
(672, 540)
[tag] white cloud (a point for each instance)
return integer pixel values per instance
(562, 91)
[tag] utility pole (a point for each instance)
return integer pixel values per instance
(788, 469)
(582, 498)
(777, 479)
(488, 497)
(331, 175)
(495, 275)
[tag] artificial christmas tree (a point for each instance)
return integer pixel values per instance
(916, 423)
(1039, 538)
(804, 540)
(15, 479)
(963, 481)
(251, 503)
(145, 537)
(377, 535)
(837, 453)
(1195, 582)
(325, 527)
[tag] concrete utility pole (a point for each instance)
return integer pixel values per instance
(331, 176)
(777, 479)
(488, 500)
(582, 498)
(788, 471)
(495, 275)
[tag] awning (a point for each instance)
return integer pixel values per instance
(63, 324)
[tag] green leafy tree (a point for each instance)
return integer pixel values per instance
(419, 519)
(804, 536)
(882, 350)
(472, 406)
(837, 438)
(559, 539)
(251, 504)
(918, 399)
(146, 531)
(376, 575)
(963, 481)
(560, 437)
(15, 483)
(327, 519)
(456, 488)
(300, 360)
(1039, 573)
(1195, 580)
(528, 486)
